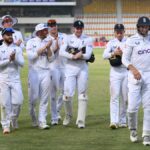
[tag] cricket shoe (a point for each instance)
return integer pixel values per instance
(6, 131)
(123, 125)
(133, 136)
(146, 140)
(81, 125)
(43, 126)
(113, 126)
(67, 120)
(54, 122)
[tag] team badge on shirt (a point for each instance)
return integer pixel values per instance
(137, 42)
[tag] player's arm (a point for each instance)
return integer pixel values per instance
(88, 51)
(126, 60)
(19, 59)
(63, 50)
(20, 41)
(108, 51)
(4, 62)
(135, 72)
(56, 47)
(29, 49)
(50, 52)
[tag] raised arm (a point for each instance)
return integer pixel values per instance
(19, 59)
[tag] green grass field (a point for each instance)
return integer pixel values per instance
(96, 135)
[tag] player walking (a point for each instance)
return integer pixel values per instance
(77, 49)
(39, 56)
(11, 97)
(118, 78)
(57, 72)
(136, 58)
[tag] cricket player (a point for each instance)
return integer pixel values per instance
(8, 21)
(77, 49)
(118, 78)
(136, 58)
(39, 56)
(11, 97)
(57, 72)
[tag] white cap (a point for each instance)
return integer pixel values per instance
(40, 27)
(14, 20)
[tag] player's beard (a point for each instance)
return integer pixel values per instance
(8, 40)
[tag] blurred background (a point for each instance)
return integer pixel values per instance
(99, 16)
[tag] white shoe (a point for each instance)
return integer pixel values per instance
(113, 126)
(6, 131)
(54, 122)
(14, 124)
(81, 124)
(123, 125)
(43, 126)
(133, 136)
(67, 120)
(146, 140)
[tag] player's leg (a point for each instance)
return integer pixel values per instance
(82, 84)
(123, 103)
(115, 89)
(61, 89)
(5, 107)
(69, 90)
(134, 100)
(146, 107)
(53, 92)
(44, 95)
(16, 100)
(33, 94)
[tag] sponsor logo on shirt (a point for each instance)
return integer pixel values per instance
(145, 51)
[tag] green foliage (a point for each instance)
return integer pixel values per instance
(96, 135)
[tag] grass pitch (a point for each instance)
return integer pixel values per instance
(96, 135)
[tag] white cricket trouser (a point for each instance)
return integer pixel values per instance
(139, 93)
(118, 93)
(61, 88)
(11, 99)
(39, 85)
(76, 78)
(55, 87)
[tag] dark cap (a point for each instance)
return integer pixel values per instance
(119, 27)
(7, 30)
(78, 24)
(143, 21)
(51, 23)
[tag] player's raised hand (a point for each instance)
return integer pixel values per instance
(118, 51)
(49, 44)
(18, 42)
(12, 56)
(57, 44)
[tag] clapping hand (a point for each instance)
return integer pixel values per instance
(12, 56)
(118, 51)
